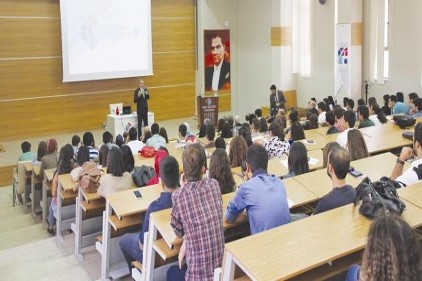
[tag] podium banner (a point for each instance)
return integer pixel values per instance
(342, 62)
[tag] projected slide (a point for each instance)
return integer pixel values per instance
(105, 39)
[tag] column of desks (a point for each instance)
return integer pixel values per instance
(66, 210)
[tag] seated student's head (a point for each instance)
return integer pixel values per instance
(119, 140)
(182, 131)
(220, 170)
(25, 146)
(83, 155)
(350, 118)
(361, 102)
(107, 137)
(65, 160)
(298, 159)
(76, 140)
(326, 150)
(202, 131)
(115, 164)
(412, 97)
(363, 112)
(297, 132)
(321, 107)
(313, 120)
(207, 122)
(102, 155)
(338, 163)
(393, 251)
(246, 134)
(371, 101)
(350, 104)
(255, 125)
(169, 172)
(163, 133)
(220, 124)
(257, 158)
(418, 104)
(294, 115)
(128, 158)
(155, 129)
(52, 146)
(330, 118)
(133, 134)
(147, 135)
(276, 130)
(345, 99)
(227, 131)
(263, 126)
(41, 150)
(230, 120)
(356, 145)
(210, 133)
(338, 113)
(88, 139)
(220, 143)
(400, 97)
(238, 150)
(193, 159)
(258, 113)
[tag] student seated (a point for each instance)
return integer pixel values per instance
(263, 196)
(132, 244)
(26, 155)
(393, 252)
(220, 170)
(364, 121)
(342, 193)
(414, 173)
(197, 217)
(350, 120)
(134, 144)
(156, 140)
(297, 160)
(50, 160)
(88, 140)
(276, 146)
(356, 145)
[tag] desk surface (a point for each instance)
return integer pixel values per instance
(345, 228)
(124, 203)
(412, 194)
(386, 142)
(49, 173)
(381, 130)
(28, 166)
(67, 182)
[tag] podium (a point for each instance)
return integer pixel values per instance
(118, 124)
(207, 108)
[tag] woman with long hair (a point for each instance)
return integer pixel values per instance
(393, 253)
(297, 160)
(116, 179)
(296, 131)
(42, 150)
(227, 131)
(377, 115)
(356, 145)
(102, 156)
(163, 133)
(128, 158)
(221, 172)
(275, 145)
(65, 166)
(246, 134)
(81, 157)
(237, 153)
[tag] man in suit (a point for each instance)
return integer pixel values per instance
(217, 76)
(141, 98)
(277, 100)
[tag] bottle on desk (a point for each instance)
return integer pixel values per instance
(117, 111)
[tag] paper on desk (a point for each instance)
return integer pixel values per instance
(290, 203)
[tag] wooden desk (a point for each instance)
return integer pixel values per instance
(381, 130)
(45, 189)
(36, 187)
(290, 251)
(65, 214)
(319, 141)
(412, 194)
(127, 210)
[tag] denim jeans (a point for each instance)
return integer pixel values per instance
(352, 274)
(174, 273)
(52, 213)
(129, 244)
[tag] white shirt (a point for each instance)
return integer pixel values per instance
(342, 138)
(216, 76)
(374, 119)
(321, 118)
(409, 176)
(135, 146)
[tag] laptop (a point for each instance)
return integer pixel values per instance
(127, 109)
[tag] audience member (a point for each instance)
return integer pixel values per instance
(163, 133)
(246, 134)
(340, 122)
(417, 108)
(76, 142)
(41, 150)
(345, 99)
(397, 107)
(393, 252)
(88, 140)
(412, 97)
(311, 122)
(227, 131)
(82, 157)
(237, 153)
(350, 119)
(264, 196)
(128, 159)
(361, 102)
(356, 145)
(275, 145)
(342, 193)
(331, 119)
(159, 156)
(255, 127)
(146, 136)
(220, 171)
(182, 133)
(220, 124)
(196, 216)
(26, 155)
(132, 244)
(134, 143)
(209, 137)
(108, 139)
(331, 102)
(202, 131)
(50, 160)
(102, 156)
(297, 160)
(65, 166)
(386, 108)
(322, 110)
(119, 140)
(350, 104)
(372, 101)
(364, 121)
(414, 173)
(156, 140)
(220, 143)
(116, 179)
(377, 115)
(296, 132)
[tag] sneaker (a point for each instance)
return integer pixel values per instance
(51, 231)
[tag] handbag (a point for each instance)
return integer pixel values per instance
(404, 121)
(147, 151)
(141, 175)
(379, 198)
(89, 177)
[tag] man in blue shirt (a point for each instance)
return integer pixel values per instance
(156, 140)
(263, 196)
(397, 107)
(342, 193)
(132, 244)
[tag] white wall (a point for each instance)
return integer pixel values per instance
(405, 49)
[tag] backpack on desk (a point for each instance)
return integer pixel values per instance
(89, 177)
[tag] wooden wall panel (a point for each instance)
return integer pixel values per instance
(22, 37)
(179, 8)
(357, 34)
(291, 99)
(41, 104)
(170, 35)
(30, 8)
